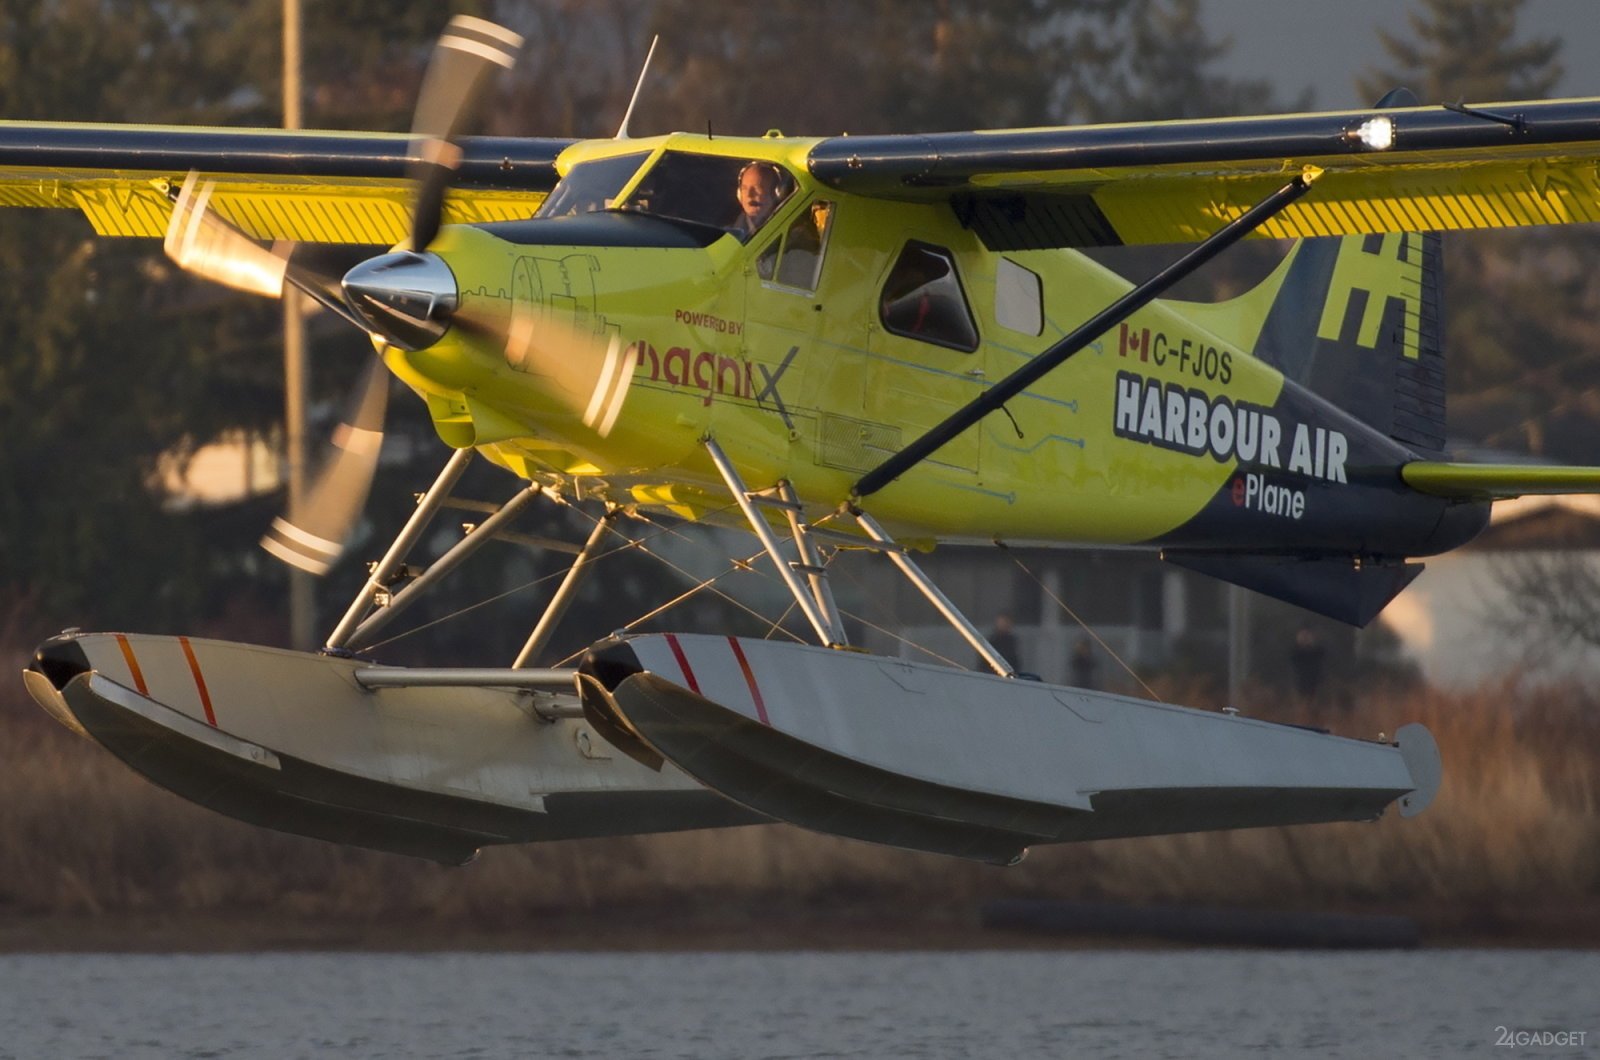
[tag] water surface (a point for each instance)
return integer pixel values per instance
(1205, 1003)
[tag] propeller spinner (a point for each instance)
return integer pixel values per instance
(405, 297)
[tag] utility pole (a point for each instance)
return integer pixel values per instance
(302, 587)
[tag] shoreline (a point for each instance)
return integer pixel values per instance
(749, 929)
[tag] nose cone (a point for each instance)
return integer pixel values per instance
(406, 297)
(60, 659)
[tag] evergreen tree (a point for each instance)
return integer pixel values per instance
(821, 67)
(1466, 50)
(1167, 69)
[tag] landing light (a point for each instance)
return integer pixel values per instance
(1376, 133)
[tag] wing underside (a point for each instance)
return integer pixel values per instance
(271, 184)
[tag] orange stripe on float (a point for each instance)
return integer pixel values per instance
(133, 665)
(683, 663)
(199, 682)
(749, 679)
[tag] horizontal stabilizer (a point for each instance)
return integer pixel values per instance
(1497, 482)
(1334, 587)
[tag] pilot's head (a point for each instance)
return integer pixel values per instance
(758, 191)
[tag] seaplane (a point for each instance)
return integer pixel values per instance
(881, 343)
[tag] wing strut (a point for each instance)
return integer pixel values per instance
(386, 568)
(439, 568)
(817, 606)
(952, 614)
(1136, 299)
(567, 591)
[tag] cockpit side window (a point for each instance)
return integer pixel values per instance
(803, 244)
(922, 299)
(591, 186)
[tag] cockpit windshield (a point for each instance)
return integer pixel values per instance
(591, 186)
(733, 194)
(716, 191)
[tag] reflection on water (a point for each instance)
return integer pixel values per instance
(1012, 1005)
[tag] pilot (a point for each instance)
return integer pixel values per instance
(758, 197)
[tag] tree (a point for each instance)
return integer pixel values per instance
(115, 359)
(1466, 50)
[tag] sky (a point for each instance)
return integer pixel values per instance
(1325, 44)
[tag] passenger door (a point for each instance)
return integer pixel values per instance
(926, 358)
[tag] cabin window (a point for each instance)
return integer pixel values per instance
(1018, 298)
(922, 299)
(591, 186)
(712, 190)
(801, 263)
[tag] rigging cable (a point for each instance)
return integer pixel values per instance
(628, 543)
(1086, 627)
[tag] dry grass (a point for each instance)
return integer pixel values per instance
(1516, 822)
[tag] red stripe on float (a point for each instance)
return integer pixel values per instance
(749, 679)
(199, 682)
(133, 665)
(683, 663)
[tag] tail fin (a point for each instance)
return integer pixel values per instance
(1356, 320)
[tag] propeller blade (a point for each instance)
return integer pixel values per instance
(204, 244)
(468, 52)
(313, 538)
(587, 370)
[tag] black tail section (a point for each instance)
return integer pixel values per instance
(1357, 321)
(1336, 588)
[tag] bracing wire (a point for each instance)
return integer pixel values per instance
(777, 626)
(628, 543)
(694, 590)
(907, 641)
(1075, 617)
(700, 585)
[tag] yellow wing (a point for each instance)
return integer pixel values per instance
(1412, 169)
(306, 186)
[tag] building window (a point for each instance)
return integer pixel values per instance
(923, 299)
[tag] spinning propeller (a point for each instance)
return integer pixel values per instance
(405, 299)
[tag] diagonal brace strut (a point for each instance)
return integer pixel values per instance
(817, 608)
